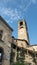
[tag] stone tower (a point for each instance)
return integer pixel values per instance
(23, 31)
(5, 42)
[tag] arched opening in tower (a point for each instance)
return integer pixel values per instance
(1, 55)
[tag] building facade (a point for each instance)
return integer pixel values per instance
(5, 42)
(12, 48)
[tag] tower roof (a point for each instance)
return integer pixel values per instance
(23, 20)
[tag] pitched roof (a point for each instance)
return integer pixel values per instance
(1, 18)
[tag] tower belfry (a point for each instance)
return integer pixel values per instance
(23, 31)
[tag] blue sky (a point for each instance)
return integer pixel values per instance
(13, 10)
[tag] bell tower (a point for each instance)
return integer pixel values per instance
(23, 31)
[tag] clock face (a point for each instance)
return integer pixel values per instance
(21, 31)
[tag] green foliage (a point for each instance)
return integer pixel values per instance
(19, 63)
(12, 54)
(22, 54)
(34, 58)
(18, 56)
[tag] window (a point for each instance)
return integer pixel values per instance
(21, 23)
(1, 34)
(1, 54)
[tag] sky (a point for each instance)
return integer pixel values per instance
(14, 10)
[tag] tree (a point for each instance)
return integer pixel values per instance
(34, 56)
(21, 55)
(12, 54)
(19, 63)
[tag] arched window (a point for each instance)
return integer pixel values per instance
(1, 54)
(21, 23)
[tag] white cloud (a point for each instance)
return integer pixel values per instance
(16, 13)
(20, 4)
(11, 14)
(26, 4)
(29, 3)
